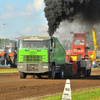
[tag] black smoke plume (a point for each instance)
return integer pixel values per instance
(56, 11)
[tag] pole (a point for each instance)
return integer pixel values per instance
(4, 34)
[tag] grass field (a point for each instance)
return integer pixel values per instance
(8, 71)
(83, 95)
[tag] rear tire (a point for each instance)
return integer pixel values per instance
(3, 62)
(15, 61)
(11, 62)
(62, 72)
(53, 73)
(22, 75)
(89, 72)
(49, 75)
(85, 73)
(79, 73)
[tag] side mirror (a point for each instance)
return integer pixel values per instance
(50, 49)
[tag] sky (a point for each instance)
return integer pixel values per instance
(22, 18)
(27, 18)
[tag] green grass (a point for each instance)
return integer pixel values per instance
(8, 71)
(83, 95)
(87, 95)
(53, 98)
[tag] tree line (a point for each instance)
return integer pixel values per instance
(6, 42)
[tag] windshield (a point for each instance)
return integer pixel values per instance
(78, 41)
(33, 44)
(9, 49)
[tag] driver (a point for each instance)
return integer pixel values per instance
(81, 42)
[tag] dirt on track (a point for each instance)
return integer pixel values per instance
(14, 88)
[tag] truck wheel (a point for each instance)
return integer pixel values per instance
(53, 75)
(89, 72)
(15, 61)
(11, 61)
(62, 72)
(79, 73)
(85, 73)
(3, 62)
(7, 57)
(49, 75)
(22, 75)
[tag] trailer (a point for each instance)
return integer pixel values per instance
(77, 60)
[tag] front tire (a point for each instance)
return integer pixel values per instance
(22, 75)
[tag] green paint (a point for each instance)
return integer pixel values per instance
(33, 56)
(60, 53)
(45, 50)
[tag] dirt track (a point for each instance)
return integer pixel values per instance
(13, 88)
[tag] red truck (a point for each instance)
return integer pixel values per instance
(78, 59)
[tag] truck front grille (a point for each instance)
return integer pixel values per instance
(33, 58)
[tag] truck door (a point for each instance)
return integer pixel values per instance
(52, 50)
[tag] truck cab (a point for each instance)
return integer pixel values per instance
(79, 44)
(38, 55)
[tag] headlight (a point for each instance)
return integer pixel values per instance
(20, 66)
(45, 66)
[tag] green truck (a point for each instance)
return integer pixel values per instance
(40, 55)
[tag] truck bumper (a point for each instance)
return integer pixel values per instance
(33, 68)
